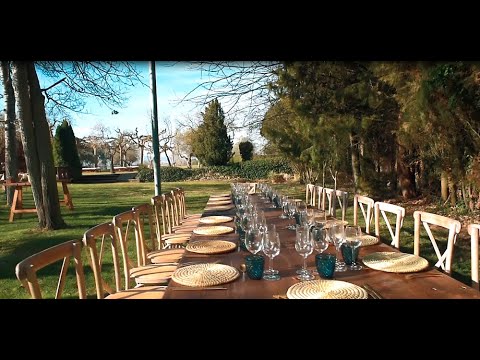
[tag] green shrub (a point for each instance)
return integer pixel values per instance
(145, 174)
(249, 170)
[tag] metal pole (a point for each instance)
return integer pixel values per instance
(156, 151)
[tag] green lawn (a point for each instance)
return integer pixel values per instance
(97, 203)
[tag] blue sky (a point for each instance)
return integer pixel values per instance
(174, 81)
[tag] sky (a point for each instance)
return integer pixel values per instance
(174, 81)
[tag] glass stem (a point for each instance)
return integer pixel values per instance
(270, 263)
(305, 263)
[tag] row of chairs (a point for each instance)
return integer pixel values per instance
(155, 234)
(327, 199)
(376, 210)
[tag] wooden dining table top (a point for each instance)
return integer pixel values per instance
(428, 284)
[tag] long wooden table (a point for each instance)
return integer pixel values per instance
(429, 284)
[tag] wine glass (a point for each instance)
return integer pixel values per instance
(271, 248)
(304, 247)
(284, 200)
(292, 210)
(320, 239)
(337, 235)
(254, 239)
(352, 243)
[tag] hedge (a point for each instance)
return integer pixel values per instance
(249, 170)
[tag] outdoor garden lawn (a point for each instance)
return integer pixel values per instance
(97, 203)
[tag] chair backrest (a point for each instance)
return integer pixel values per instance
(26, 270)
(176, 207)
(453, 227)
(310, 194)
(331, 197)
(473, 230)
(128, 232)
(148, 238)
(366, 205)
(96, 239)
(320, 191)
(384, 208)
(341, 198)
(182, 203)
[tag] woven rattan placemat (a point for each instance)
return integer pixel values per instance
(215, 219)
(368, 240)
(211, 246)
(213, 230)
(395, 262)
(326, 289)
(205, 274)
(212, 207)
(218, 202)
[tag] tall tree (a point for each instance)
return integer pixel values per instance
(211, 144)
(37, 145)
(11, 165)
(65, 152)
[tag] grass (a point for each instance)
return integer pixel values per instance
(97, 203)
(94, 204)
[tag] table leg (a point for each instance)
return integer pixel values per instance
(67, 198)
(14, 204)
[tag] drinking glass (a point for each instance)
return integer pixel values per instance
(304, 247)
(352, 244)
(284, 207)
(292, 209)
(254, 239)
(271, 248)
(337, 235)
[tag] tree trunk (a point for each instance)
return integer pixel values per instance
(37, 145)
(189, 161)
(355, 159)
(53, 215)
(141, 154)
(444, 185)
(406, 178)
(11, 161)
(112, 169)
(452, 187)
(168, 159)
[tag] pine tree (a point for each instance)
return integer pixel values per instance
(65, 152)
(211, 143)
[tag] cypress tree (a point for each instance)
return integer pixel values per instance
(65, 152)
(211, 143)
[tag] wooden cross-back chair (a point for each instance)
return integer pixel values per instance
(154, 251)
(320, 191)
(98, 239)
(128, 227)
(453, 227)
(341, 198)
(474, 230)
(148, 240)
(180, 224)
(366, 206)
(170, 237)
(310, 195)
(399, 212)
(185, 216)
(26, 270)
(331, 198)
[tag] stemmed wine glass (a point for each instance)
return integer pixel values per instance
(271, 248)
(304, 247)
(284, 200)
(254, 239)
(337, 235)
(352, 242)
